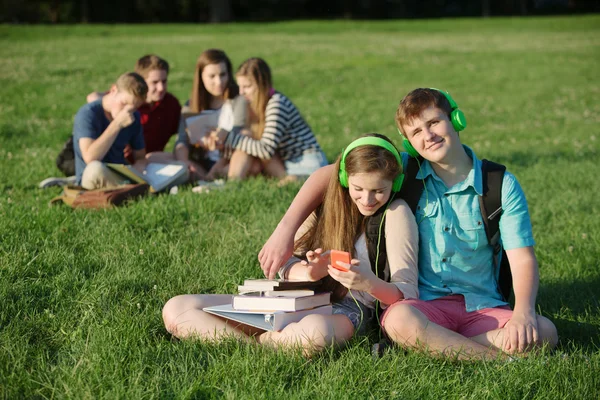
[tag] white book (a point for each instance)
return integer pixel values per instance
(276, 293)
(199, 125)
(158, 176)
(267, 320)
(258, 302)
(288, 293)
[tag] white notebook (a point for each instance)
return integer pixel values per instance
(267, 320)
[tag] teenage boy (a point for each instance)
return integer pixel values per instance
(460, 310)
(104, 127)
(161, 111)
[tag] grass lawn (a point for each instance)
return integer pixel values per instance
(81, 292)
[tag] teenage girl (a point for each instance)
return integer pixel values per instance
(214, 90)
(370, 172)
(281, 143)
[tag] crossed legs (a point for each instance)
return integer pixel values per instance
(184, 318)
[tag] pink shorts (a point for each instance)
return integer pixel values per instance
(450, 312)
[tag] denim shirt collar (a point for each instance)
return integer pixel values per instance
(474, 178)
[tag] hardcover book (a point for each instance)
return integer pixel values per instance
(259, 302)
(276, 284)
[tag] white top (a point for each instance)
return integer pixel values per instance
(402, 246)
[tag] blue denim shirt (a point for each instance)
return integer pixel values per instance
(454, 255)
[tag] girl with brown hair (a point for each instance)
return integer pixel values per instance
(370, 172)
(280, 143)
(214, 91)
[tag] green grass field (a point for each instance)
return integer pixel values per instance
(81, 292)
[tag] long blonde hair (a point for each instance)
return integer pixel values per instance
(200, 98)
(339, 223)
(258, 71)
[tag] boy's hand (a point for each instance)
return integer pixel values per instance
(125, 117)
(520, 333)
(356, 278)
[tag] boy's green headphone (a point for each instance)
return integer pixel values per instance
(370, 141)
(457, 118)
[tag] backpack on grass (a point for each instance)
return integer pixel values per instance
(78, 197)
(65, 161)
(491, 210)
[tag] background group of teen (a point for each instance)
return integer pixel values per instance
(260, 130)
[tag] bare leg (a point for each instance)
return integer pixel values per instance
(184, 318)
(313, 333)
(161, 157)
(239, 165)
(547, 335)
(218, 170)
(274, 167)
(409, 327)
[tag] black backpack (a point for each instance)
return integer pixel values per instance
(491, 210)
(65, 161)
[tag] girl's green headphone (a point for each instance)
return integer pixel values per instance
(370, 141)
(457, 118)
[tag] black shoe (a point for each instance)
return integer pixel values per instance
(379, 348)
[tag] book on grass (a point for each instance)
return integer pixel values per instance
(261, 285)
(158, 176)
(267, 320)
(259, 302)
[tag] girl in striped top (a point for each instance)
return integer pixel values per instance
(279, 134)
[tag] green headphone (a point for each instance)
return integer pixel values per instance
(370, 141)
(457, 118)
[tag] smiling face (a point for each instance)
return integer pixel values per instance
(248, 88)
(432, 134)
(157, 85)
(369, 191)
(215, 79)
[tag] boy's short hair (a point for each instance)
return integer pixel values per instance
(150, 62)
(413, 104)
(134, 84)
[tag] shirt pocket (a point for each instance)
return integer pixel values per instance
(426, 214)
(470, 232)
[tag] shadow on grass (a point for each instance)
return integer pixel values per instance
(574, 307)
(9, 131)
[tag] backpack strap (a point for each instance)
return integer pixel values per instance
(410, 192)
(372, 226)
(490, 204)
(412, 188)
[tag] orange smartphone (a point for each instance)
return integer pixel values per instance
(343, 256)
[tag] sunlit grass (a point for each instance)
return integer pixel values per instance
(81, 291)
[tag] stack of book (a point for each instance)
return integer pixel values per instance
(271, 304)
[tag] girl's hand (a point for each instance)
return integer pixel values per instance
(356, 278)
(316, 264)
